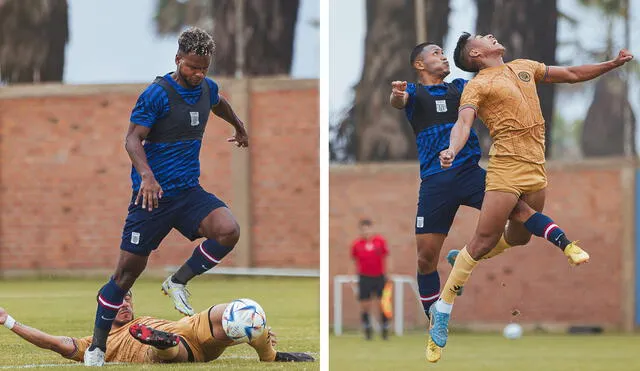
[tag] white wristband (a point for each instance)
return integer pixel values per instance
(10, 322)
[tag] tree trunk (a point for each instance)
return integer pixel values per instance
(603, 128)
(381, 132)
(269, 30)
(527, 29)
(33, 35)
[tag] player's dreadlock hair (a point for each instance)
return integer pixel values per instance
(417, 50)
(196, 40)
(461, 54)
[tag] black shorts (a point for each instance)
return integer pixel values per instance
(144, 230)
(369, 286)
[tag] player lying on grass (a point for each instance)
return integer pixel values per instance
(199, 338)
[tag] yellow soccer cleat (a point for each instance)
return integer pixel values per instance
(433, 350)
(575, 254)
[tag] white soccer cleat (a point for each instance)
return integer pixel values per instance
(94, 358)
(180, 296)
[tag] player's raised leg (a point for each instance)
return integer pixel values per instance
(495, 211)
(528, 219)
(222, 233)
(110, 299)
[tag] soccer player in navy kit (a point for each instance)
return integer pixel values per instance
(163, 142)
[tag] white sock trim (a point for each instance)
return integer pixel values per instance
(443, 307)
(10, 322)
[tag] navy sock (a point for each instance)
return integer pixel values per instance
(542, 226)
(110, 299)
(429, 287)
(206, 256)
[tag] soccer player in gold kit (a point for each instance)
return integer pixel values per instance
(504, 96)
(199, 338)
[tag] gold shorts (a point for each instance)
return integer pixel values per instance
(506, 174)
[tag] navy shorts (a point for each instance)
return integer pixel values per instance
(441, 194)
(144, 230)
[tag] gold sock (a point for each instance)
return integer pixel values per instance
(501, 246)
(458, 277)
(167, 354)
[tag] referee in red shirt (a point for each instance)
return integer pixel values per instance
(369, 252)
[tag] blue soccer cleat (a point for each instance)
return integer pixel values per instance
(451, 258)
(439, 331)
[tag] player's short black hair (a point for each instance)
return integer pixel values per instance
(461, 55)
(365, 222)
(418, 49)
(196, 40)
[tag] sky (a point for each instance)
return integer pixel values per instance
(347, 29)
(130, 51)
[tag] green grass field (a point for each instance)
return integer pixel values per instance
(489, 352)
(67, 307)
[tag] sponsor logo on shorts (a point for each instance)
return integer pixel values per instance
(441, 106)
(524, 76)
(195, 118)
(420, 222)
(135, 238)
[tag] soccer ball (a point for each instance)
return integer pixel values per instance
(512, 331)
(243, 320)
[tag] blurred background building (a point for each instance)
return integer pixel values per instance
(591, 137)
(72, 71)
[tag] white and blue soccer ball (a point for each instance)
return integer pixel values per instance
(512, 331)
(244, 320)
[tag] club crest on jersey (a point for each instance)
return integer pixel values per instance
(195, 118)
(524, 76)
(441, 106)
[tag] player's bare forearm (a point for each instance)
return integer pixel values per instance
(135, 150)
(60, 344)
(399, 95)
(461, 129)
(398, 102)
(586, 72)
(582, 73)
(224, 111)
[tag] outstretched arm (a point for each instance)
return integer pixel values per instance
(62, 345)
(224, 111)
(573, 74)
(459, 136)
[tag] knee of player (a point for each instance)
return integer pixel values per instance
(521, 212)
(228, 233)
(427, 263)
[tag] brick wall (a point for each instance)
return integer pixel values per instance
(64, 179)
(591, 201)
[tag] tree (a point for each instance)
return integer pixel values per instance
(372, 129)
(527, 29)
(610, 114)
(33, 35)
(268, 33)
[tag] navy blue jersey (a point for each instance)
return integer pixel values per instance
(175, 163)
(432, 136)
